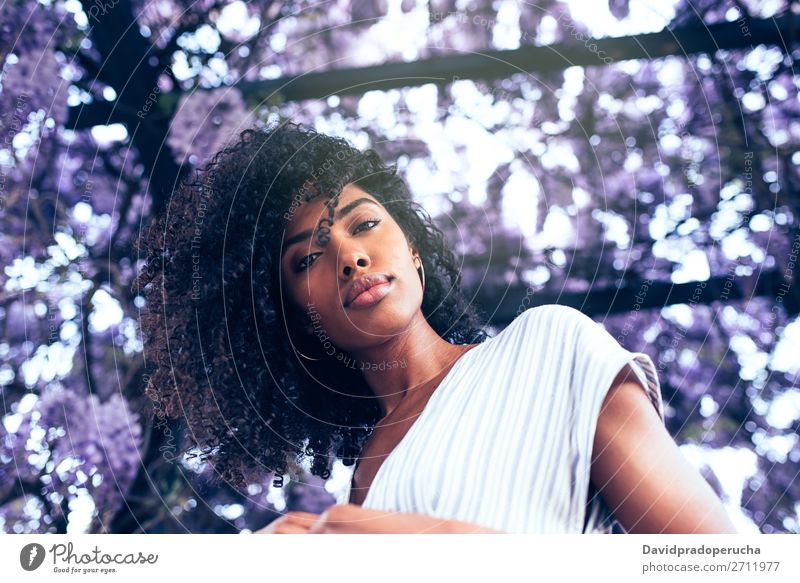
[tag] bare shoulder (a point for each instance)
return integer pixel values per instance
(551, 311)
(641, 473)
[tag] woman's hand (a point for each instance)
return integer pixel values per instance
(354, 519)
(290, 523)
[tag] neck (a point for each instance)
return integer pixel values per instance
(408, 362)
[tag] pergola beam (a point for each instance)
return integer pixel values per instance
(487, 65)
(646, 295)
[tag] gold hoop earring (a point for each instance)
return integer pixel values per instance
(421, 272)
(306, 357)
(294, 347)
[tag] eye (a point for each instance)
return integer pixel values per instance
(301, 265)
(375, 220)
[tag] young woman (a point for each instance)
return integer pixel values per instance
(301, 305)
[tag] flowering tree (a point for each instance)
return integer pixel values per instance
(657, 193)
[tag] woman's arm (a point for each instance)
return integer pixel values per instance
(354, 519)
(641, 474)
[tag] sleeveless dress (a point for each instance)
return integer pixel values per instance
(505, 440)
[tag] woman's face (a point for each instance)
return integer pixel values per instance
(320, 263)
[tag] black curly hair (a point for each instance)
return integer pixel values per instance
(216, 337)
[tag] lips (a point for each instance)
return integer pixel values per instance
(363, 284)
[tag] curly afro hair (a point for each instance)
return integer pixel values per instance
(216, 337)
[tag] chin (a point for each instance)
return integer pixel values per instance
(382, 320)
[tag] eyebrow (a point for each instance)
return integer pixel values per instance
(346, 210)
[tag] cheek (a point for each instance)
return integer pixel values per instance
(403, 264)
(299, 291)
(319, 293)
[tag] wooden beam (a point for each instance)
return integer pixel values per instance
(699, 38)
(502, 306)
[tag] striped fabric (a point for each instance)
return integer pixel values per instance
(505, 440)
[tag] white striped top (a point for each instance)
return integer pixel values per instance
(505, 440)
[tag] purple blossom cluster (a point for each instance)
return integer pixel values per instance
(205, 121)
(32, 77)
(69, 442)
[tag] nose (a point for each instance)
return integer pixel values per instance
(352, 262)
